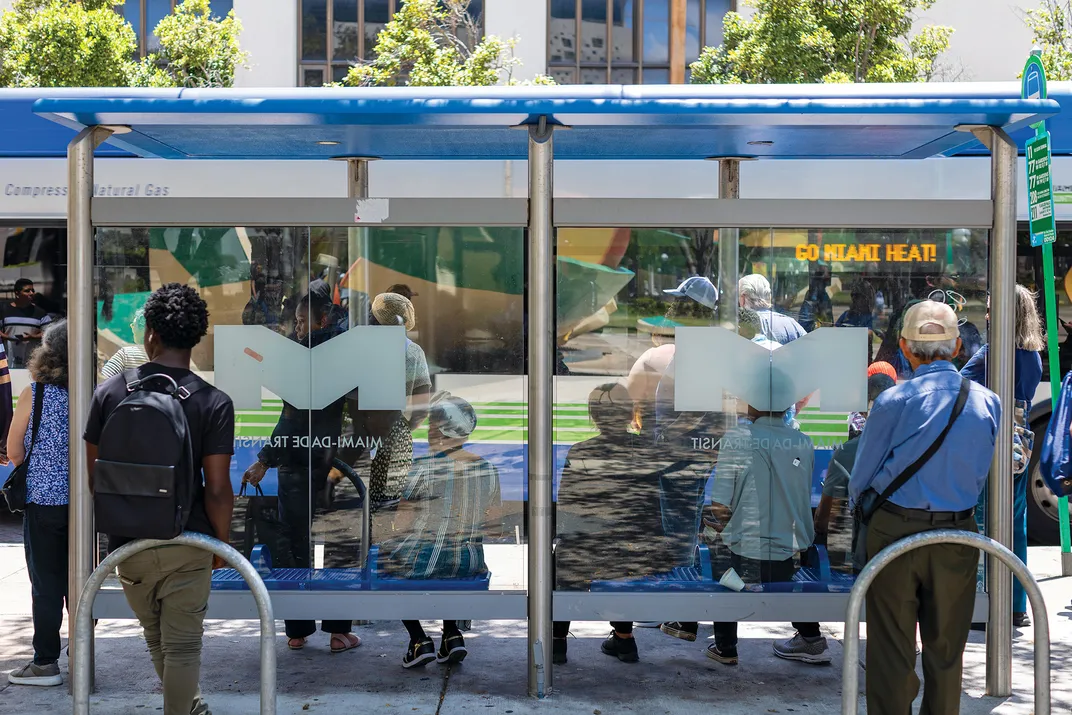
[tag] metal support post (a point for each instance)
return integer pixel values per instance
(1001, 377)
(541, 364)
(850, 682)
(357, 240)
(729, 187)
(81, 640)
(81, 356)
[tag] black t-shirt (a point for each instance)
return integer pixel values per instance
(209, 413)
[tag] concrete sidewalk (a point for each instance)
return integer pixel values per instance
(672, 678)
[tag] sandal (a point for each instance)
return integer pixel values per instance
(296, 643)
(348, 641)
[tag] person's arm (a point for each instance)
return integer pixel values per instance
(6, 409)
(975, 369)
(874, 445)
(418, 405)
(16, 449)
(114, 366)
(219, 495)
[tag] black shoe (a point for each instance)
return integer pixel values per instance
(558, 651)
(624, 649)
(419, 654)
(684, 631)
(452, 650)
(1021, 620)
(726, 656)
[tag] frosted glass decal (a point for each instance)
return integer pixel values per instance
(709, 361)
(369, 357)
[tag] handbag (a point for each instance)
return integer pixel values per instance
(262, 525)
(1055, 464)
(871, 501)
(14, 488)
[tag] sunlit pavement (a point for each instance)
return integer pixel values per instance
(672, 677)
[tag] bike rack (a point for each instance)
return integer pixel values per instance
(82, 635)
(850, 682)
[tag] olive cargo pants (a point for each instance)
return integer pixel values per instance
(934, 585)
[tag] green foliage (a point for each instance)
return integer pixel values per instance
(432, 43)
(64, 43)
(801, 41)
(1050, 24)
(196, 50)
(86, 43)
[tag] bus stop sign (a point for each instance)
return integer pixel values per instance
(1040, 190)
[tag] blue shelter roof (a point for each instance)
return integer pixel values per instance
(854, 121)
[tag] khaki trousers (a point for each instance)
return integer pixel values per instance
(167, 588)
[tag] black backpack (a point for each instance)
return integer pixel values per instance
(145, 476)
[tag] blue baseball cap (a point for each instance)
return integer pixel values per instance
(699, 288)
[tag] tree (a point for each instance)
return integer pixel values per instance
(801, 41)
(60, 43)
(434, 43)
(1050, 24)
(86, 43)
(196, 50)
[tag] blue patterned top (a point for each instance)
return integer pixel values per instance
(47, 482)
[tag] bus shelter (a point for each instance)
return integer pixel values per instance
(606, 394)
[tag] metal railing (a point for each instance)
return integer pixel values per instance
(82, 634)
(850, 682)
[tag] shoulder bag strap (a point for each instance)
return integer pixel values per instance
(38, 408)
(903, 477)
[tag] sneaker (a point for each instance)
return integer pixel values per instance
(558, 651)
(1021, 620)
(806, 650)
(419, 654)
(200, 707)
(624, 649)
(648, 624)
(452, 650)
(726, 656)
(33, 674)
(684, 631)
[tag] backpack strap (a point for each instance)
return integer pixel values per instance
(190, 386)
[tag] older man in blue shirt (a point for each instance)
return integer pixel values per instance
(934, 585)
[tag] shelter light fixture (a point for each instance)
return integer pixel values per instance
(327, 142)
(761, 142)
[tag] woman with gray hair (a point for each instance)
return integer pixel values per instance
(1027, 374)
(754, 293)
(44, 525)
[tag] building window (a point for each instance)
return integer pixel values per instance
(625, 41)
(145, 15)
(327, 56)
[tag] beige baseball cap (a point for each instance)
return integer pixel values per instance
(930, 321)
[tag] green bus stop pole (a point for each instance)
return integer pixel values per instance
(1033, 86)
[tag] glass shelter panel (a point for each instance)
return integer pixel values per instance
(380, 361)
(704, 448)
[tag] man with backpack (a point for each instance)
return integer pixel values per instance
(921, 463)
(159, 442)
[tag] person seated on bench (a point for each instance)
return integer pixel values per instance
(450, 501)
(607, 521)
(761, 504)
(836, 484)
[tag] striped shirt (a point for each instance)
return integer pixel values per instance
(19, 324)
(125, 358)
(452, 495)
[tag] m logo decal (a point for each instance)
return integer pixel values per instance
(371, 359)
(711, 361)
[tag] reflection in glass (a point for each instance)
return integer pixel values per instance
(220, 8)
(563, 75)
(656, 75)
(377, 15)
(623, 76)
(344, 19)
(692, 30)
(623, 36)
(314, 29)
(656, 31)
(716, 10)
(593, 76)
(132, 12)
(563, 31)
(155, 11)
(312, 77)
(593, 30)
